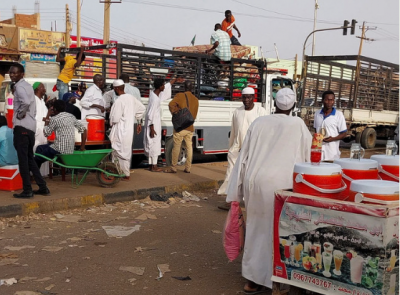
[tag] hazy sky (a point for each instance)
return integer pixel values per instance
(165, 24)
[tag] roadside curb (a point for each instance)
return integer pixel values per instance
(99, 199)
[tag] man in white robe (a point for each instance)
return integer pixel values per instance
(241, 121)
(129, 89)
(122, 119)
(152, 124)
(273, 145)
(92, 102)
(41, 113)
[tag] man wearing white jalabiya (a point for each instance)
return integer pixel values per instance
(41, 113)
(122, 119)
(129, 89)
(92, 102)
(152, 124)
(241, 121)
(273, 145)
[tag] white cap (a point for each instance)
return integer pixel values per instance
(118, 82)
(248, 90)
(285, 99)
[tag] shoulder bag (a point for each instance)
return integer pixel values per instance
(183, 118)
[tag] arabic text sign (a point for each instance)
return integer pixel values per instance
(40, 41)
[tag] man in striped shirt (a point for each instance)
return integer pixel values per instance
(221, 43)
(63, 124)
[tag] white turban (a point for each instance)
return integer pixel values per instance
(248, 90)
(118, 82)
(285, 99)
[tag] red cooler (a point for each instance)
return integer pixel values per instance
(388, 167)
(10, 179)
(374, 191)
(353, 169)
(323, 180)
(96, 130)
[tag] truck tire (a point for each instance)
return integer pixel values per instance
(137, 160)
(169, 144)
(368, 138)
(358, 137)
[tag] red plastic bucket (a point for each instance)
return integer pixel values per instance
(374, 191)
(52, 136)
(9, 117)
(357, 169)
(323, 180)
(388, 167)
(96, 130)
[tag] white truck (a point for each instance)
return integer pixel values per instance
(217, 85)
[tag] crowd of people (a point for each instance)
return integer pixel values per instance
(260, 160)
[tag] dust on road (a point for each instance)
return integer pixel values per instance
(71, 253)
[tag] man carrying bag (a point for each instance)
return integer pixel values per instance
(184, 109)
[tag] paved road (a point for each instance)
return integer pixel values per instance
(86, 260)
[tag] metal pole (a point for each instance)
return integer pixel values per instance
(106, 29)
(315, 26)
(78, 23)
(67, 26)
(305, 42)
(358, 67)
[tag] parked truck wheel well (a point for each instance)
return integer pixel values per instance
(169, 145)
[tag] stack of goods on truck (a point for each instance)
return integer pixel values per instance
(236, 50)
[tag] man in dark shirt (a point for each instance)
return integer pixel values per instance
(70, 107)
(24, 133)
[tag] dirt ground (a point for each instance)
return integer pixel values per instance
(74, 255)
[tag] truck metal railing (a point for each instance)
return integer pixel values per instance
(376, 87)
(213, 80)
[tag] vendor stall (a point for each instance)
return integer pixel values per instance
(336, 247)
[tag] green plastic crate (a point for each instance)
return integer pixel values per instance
(85, 158)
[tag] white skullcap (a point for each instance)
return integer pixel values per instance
(118, 82)
(285, 99)
(248, 90)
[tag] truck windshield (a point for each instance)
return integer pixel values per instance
(280, 83)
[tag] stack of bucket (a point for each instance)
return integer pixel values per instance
(374, 180)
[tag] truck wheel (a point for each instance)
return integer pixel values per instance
(358, 137)
(368, 138)
(168, 152)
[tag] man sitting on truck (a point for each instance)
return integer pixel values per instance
(221, 43)
(71, 63)
(228, 24)
(332, 125)
(63, 124)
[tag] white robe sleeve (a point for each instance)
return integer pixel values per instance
(116, 112)
(151, 110)
(167, 93)
(232, 136)
(87, 99)
(140, 109)
(235, 184)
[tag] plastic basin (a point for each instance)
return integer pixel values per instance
(85, 158)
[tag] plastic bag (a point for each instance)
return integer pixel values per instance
(234, 232)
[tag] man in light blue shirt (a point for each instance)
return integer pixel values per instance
(8, 154)
(221, 43)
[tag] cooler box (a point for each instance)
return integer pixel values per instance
(323, 180)
(10, 179)
(388, 167)
(354, 169)
(374, 191)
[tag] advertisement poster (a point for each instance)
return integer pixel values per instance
(43, 57)
(85, 41)
(31, 40)
(334, 247)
